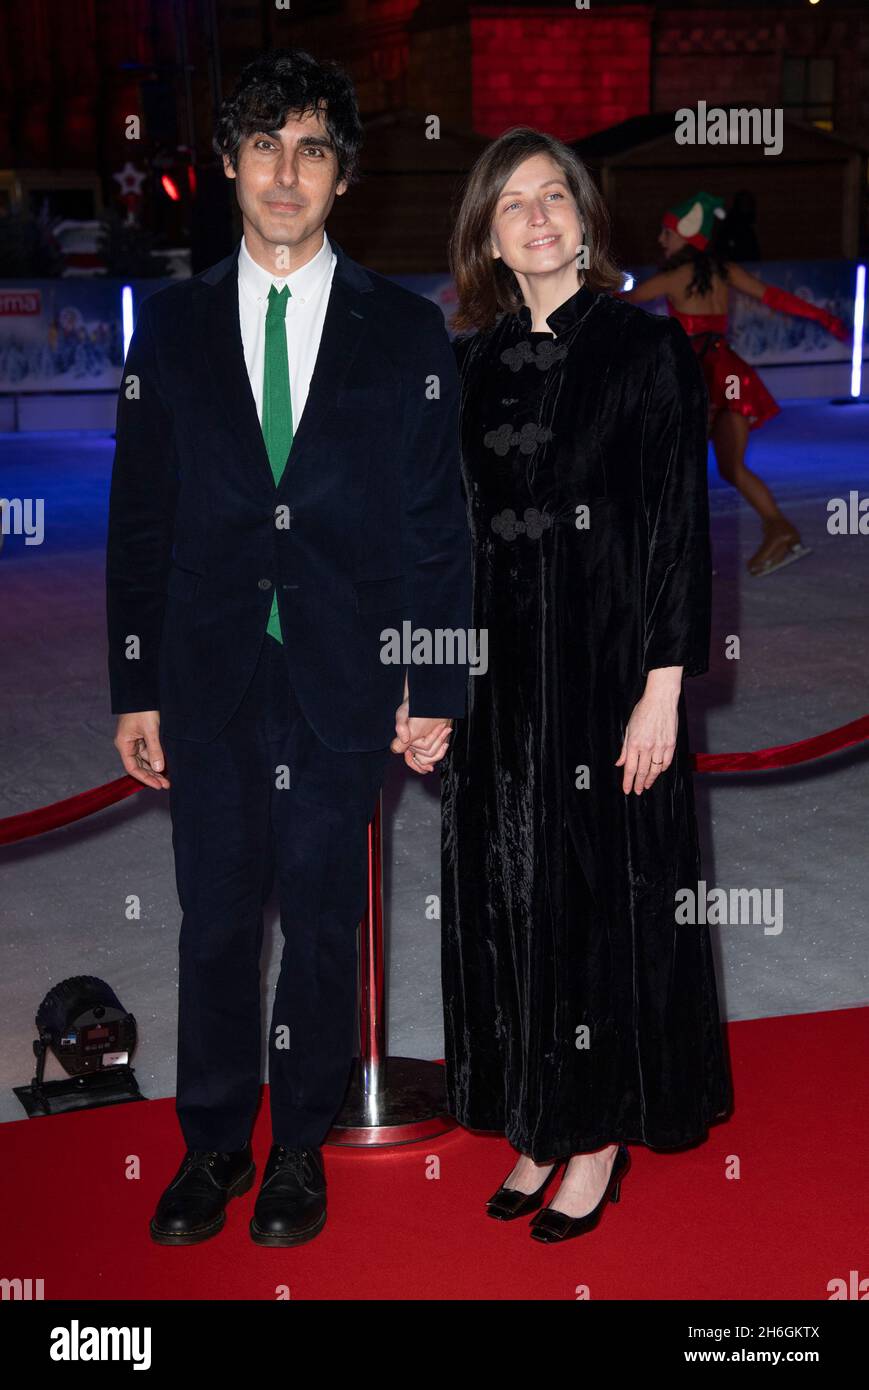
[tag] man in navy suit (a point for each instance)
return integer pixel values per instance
(286, 486)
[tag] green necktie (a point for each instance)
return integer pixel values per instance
(277, 421)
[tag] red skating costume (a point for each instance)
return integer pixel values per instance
(721, 364)
(694, 221)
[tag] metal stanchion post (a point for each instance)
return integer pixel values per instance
(390, 1100)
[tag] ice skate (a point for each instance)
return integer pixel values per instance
(781, 545)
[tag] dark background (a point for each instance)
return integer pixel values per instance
(607, 79)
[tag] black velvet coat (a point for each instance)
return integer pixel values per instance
(577, 1011)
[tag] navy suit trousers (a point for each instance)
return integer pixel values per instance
(266, 799)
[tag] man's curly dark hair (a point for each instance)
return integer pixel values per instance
(291, 81)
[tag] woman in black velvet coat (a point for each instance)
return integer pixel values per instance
(579, 1013)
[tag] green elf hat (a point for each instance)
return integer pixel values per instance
(693, 219)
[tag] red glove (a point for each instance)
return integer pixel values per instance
(801, 308)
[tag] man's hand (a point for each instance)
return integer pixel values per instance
(422, 741)
(138, 742)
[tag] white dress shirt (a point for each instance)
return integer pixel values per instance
(306, 309)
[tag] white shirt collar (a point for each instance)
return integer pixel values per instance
(302, 282)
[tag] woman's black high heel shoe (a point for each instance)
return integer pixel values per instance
(508, 1203)
(551, 1226)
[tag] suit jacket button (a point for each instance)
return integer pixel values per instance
(265, 584)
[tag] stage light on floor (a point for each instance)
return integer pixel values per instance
(84, 1024)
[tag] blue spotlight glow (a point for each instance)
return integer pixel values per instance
(859, 319)
(127, 315)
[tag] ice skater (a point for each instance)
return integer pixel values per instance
(696, 280)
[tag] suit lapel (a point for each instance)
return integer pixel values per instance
(219, 330)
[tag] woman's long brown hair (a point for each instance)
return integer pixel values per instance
(485, 286)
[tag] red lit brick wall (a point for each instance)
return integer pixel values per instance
(566, 71)
(725, 56)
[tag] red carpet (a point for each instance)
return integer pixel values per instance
(794, 1220)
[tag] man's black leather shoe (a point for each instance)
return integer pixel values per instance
(291, 1206)
(193, 1206)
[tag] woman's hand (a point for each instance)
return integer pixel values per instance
(650, 737)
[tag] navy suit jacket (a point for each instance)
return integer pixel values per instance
(367, 528)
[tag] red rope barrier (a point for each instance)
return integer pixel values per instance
(45, 818)
(74, 808)
(786, 754)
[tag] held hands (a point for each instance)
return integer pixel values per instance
(422, 741)
(650, 736)
(138, 742)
